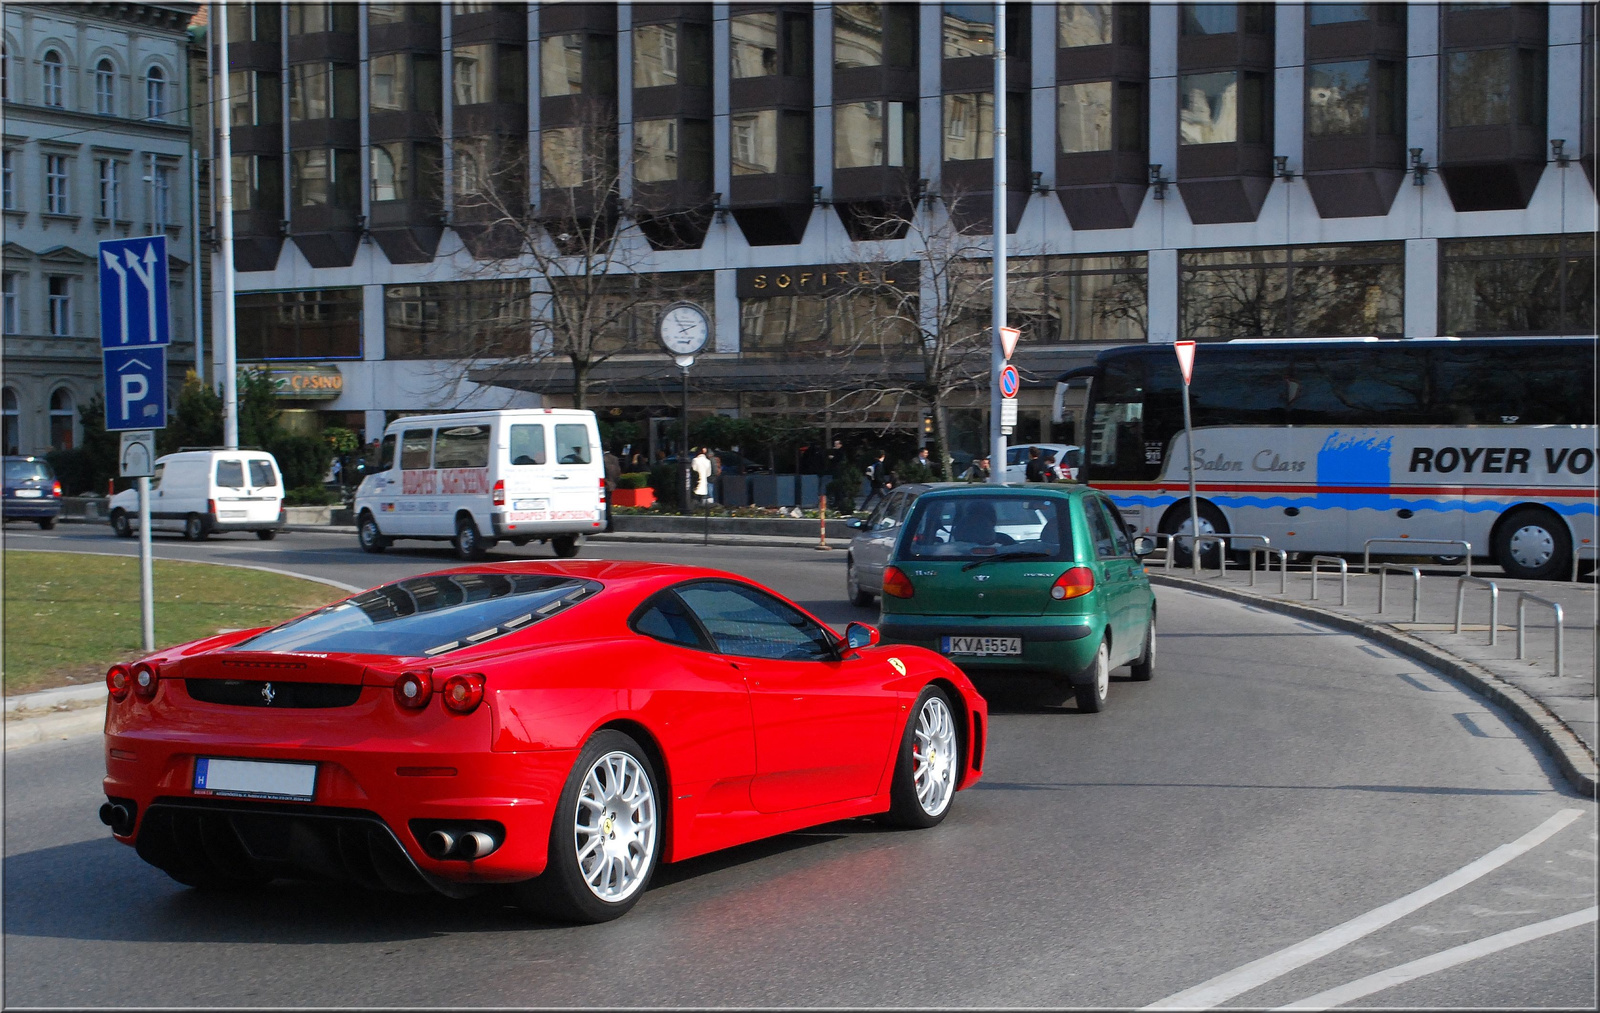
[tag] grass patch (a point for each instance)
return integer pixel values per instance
(70, 616)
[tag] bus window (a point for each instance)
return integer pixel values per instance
(1116, 434)
(1241, 390)
(1359, 387)
(1508, 384)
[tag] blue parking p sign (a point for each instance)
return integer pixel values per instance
(136, 388)
(133, 293)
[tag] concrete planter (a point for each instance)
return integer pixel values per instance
(633, 497)
(308, 515)
(781, 526)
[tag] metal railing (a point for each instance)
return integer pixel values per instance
(1344, 577)
(1215, 536)
(1494, 604)
(1416, 586)
(1522, 636)
(1267, 553)
(1366, 549)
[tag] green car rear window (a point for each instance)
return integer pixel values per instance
(977, 527)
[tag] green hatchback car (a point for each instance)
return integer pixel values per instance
(1036, 580)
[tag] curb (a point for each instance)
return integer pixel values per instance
(1575, 760)
(30, 731)
(661, 537)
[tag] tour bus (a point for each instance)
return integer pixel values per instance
(475, 478)
(1322, 444)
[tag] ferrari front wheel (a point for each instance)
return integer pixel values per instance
(605, 840)
(928, 765)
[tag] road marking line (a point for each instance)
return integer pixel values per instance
(341, 585)
(1262, 970)
(1444, 960)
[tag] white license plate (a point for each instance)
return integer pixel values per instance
(28, 493)
(255, 779)
(232, 513)
(980, 646)
(530, 504)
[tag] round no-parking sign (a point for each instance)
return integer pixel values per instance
(1009, 381)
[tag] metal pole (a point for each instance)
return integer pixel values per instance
(195, 253)
(1194, 507)
(684, 464)
(223, 112)
(997, 359)
(147, 593)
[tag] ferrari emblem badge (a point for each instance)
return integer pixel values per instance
(267, 694)
(897, 665)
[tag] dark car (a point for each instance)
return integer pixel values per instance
(32, 492)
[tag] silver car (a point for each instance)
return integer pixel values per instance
(874, 541)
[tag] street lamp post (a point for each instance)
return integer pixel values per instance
(684, 329)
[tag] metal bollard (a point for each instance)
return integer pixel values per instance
(1522, 636)
(1494, 604)
(1416, 586)
(1344, 577)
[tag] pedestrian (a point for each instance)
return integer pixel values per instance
(924, 460)
(701, 466)
(1034, 471)
(978, 470)
(1050, 473)
(836, 457)
(613, 470)
(877, 472)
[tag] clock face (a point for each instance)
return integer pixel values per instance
(684, 330)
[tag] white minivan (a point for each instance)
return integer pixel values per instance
(200, 492)
(477, 477)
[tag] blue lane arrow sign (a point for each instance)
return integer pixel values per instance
(133, 293)
(136, 388)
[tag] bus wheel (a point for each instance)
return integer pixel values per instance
(1176, 521)
(1533, 544)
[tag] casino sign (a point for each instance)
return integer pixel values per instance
(305, 382)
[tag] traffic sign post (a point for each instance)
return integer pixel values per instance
(1009, 383)
(135, 329)
(1185, 352)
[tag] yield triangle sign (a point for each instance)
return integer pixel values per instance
(1008, 340)
(1185, 350)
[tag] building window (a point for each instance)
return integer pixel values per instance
(968, 30)
(1222, 108)
(62, 419)
(754, 42)
(1083, 25)
(755, 142)
(309, 19)
(561, 65)
(53, 72)
(401, 174)
(254, 99)
(1336, 14)
(161, 197)
(1083, 116)
(871, 35)
(314, 324)
(663, 152)
(453, 320)
(12, 434)
(1225, 19)
(1057, 300)
(105, 88)
(5, 72)
(969, 126)
(1494, 87)
(485, 73)
(60, 287)
(155, 94)
(109, 174)
(57, 191)
(873, 134)
(1297, 291)
(1517, 285)
(672, 54)
(8, 183)
(320, 91)
(850, 323)
(325, 177)
(257, 183)
(404, 82)
(10, 312)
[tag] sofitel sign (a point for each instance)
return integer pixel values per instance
(824, 279)
(306, 382)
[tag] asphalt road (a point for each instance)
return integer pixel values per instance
(1273, 782)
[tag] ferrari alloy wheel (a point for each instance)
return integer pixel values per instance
(615, 827)
(606, 836)
(929, 764)
(1092, 695)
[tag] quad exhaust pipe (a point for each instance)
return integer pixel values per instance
(118, 815)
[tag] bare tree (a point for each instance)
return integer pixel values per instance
(585, 244)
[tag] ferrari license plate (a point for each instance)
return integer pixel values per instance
(295, 782)
(981, 646)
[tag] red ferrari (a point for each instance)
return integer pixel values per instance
(559, 728)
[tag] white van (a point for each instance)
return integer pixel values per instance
(200, 492)
(477, 477)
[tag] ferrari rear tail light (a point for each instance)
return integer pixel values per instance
(119, 680)
(896, 584)
(1075, 583)
(145, 678)
(500, 493)
(463, 693)
(413, 689)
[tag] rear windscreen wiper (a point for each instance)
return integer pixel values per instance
(1005, 556)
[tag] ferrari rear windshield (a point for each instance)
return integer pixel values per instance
(984, 527)
(427, 616)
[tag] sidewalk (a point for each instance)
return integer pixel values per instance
(1559, 711)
